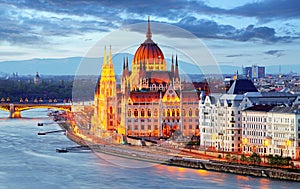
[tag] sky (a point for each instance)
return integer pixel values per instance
(245, 32)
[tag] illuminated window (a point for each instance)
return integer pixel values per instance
(173, 112)
(178, 112)
(136, 113)
(149, 112)
(168, 112)
(142, 113)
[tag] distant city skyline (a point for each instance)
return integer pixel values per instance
(236, 33)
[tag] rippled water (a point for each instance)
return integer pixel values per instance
(28, 160)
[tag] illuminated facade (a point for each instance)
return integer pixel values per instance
(106, 97)
(152, 100)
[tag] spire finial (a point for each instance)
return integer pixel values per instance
(148, 34)
(110, 55)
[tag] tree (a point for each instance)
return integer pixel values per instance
(255, 158)
(243, 158)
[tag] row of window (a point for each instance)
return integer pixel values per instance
(167, 112)
(254, 126)
(142, 127)
(254, 119)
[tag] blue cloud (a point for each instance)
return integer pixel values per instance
(110, 14)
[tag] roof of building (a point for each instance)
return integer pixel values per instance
(159, 76)
(144, 96)
(288, 109)
(241, 86)
(263, 108)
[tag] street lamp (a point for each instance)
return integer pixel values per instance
(288, 143)
(266, 144)
(244, 142)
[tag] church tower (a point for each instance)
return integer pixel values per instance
(106, 97)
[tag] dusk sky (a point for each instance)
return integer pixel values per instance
(246, 32)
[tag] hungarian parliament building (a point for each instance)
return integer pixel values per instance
(152, 101)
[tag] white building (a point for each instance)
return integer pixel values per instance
(254, 126)
(271, 130)
(220, 118)
(283, 128)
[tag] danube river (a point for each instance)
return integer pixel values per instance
(28, 160)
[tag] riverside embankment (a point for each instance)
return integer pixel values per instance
(167, 156)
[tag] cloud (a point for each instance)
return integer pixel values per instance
(276, 53)
(203, 28)
(237, 55)
(32, 22)
(269, 10)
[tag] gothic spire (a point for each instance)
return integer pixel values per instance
(176, 73)
(124, 62)
(110, 55)
(148, 34)
(172, 66)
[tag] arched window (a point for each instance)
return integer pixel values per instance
(168, 112)
(136, 113)
(154, 87)
(178, 112)
(197, 112)
(190, 113)
(155, 112)
(183, 112)
(129, 112)
(164, 112)
(142, 113)
(173, 112)
(149, 112)
(160, 86)
(110, 110)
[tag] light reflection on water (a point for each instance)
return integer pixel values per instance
(30, 161)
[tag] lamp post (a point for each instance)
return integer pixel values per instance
(288, 143)
(265, 144)
(244, 142)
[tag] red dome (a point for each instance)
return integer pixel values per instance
(148, 52)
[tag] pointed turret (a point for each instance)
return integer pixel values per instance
(176, 73)
(149, 34)
(124, 68)
(110, 55)
(104, 56)
(172, 65)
